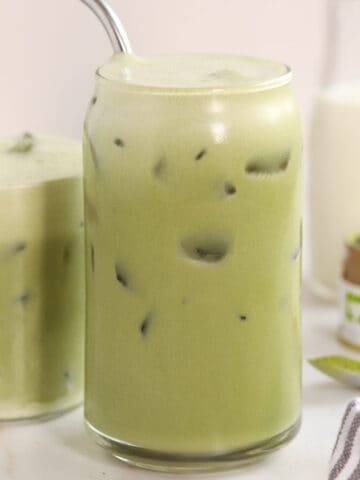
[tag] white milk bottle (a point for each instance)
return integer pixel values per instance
(334, 170)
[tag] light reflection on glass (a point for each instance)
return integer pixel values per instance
(218, 130)
(216, 106)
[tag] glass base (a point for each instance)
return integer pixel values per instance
(41, 417)
(169, 462)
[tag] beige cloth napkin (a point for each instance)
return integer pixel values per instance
(345, 458)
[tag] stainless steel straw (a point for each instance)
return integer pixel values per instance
(112, 25)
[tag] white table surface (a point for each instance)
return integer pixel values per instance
(60, 450)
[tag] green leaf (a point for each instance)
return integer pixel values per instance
(342, 369)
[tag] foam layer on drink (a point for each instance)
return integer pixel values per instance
(194, 71)
(30, 160)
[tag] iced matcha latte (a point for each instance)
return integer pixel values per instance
(41, 277)
(193, 241)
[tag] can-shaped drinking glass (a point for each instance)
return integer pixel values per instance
(193, 241)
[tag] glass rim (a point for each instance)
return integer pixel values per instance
(246, 87)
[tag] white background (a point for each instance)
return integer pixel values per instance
(49, 49)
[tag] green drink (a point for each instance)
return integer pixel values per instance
(193, 239)
(41, 277)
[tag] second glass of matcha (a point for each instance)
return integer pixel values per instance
(193, 241)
